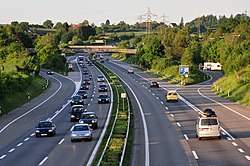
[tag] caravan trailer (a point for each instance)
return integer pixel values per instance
(211, 66)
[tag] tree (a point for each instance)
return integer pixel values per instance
(107, 23)
(181, 23)
(48, 24)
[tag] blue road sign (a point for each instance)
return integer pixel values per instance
(184, 70)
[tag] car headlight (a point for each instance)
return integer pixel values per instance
(99, 99)
(73, 135)
(37, 131)
(107, 99)
(81, 121)
(50, 130)
(87, 134)
(72, 116)
(93, 121)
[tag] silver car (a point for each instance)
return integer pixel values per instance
(80, 132)
(100, 78)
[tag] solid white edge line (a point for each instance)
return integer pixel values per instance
(43, 161)
(195, 155)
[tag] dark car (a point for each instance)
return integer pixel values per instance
(84, 87)
(103, 98)
(50, 72)
(85, 71)
(77, 100)
(102, 61)
(45, 128)
(76, 112)
(154, 84)
(90, 63)
(82, 93)
(89, 118)
(86, 81)
(103, 88)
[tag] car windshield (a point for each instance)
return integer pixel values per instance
(80, 128)
(172, 93)
(103, 96)
(44, 124)
(76, 97)
(103, 86)
(209, 122)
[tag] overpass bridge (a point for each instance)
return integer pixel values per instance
(95, 49)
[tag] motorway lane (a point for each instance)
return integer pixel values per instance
(78, 153)
(212, 152)
(20, 147)
(17, 140)
(163, 145)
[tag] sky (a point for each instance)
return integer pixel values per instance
(98, 11)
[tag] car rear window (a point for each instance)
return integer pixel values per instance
(209, 122)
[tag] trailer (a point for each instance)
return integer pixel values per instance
(211, 66)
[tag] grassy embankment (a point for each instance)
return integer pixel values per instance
(235, 87)
(170, 74)
(12, 101)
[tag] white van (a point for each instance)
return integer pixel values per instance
(207, 126)
(211, 66)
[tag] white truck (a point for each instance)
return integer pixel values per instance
(211, 66)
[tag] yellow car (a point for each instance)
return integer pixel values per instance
(172, 96)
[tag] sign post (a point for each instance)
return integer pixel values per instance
(123, 96)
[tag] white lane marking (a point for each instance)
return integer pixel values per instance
(56, 112)
(162, 102)
(153, 94)
(241, 150)
(186, 137)
(166, 108)
(234, 144)
(140, 83)
(26, 139)
(172, 115)
(247, 157)
(89, 104)
(93, 95)
(91, 100)
(20, 144)
(85, 110)
(94, 92)
(11, 150)
(232, 138)
(32, 108)
(229, 139)
(223, 105)
(223, 133)
(195, 155)
(48, 119)
(178, 124)
(61, 141)
(157, 98)
(59, 111)
(32, 134)
(43, 161)
(146, 87)
(3, 156)
(149, 90)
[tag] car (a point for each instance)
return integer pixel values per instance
(103, 98)
(81, 64)
(50, 72)
(208, 125)
(101, 61)
(90, 76)
(85, 71)
(77, 100)
(83, 93)
(89, 118)
(45, 128)
(86, 81)
(81, 132)
(84, 87)
(90, 63)
(130, 71)
(172, 96)
(154, 84)
(103, 88)
(100, 78)
(76, 112)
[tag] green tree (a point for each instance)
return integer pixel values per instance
(48, 24)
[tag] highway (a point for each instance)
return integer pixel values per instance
(168, 135)
(19, 146)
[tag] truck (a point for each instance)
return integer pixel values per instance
(212, 66)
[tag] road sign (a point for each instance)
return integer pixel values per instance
(184, 70)
(123, 95)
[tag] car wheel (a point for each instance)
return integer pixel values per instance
(167, 100)
(199, 138)
(37, 135)
(72, 140)
(219, 137)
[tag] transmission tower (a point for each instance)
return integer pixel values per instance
(147, 17)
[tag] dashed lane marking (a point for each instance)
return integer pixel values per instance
(241, 150)
(186, 137)
(195, 155)
(43, 161)
(20, 144)
(26, 139)
(178, 124)
(61, 141)
(3, 156)
(11, 150)
(172, 115)
(234, 144)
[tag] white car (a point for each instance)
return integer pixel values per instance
(130, 71)
(100, 78)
